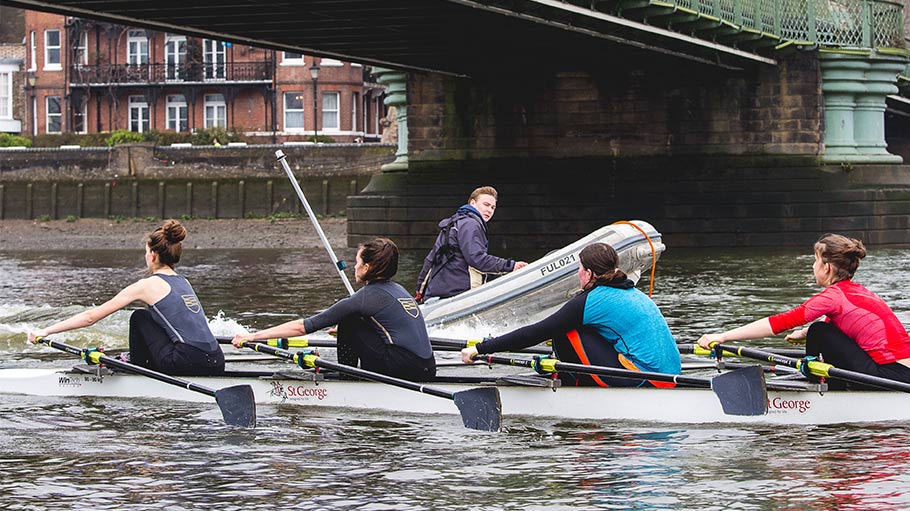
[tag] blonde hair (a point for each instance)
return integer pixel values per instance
(842, 253)
(483, 190)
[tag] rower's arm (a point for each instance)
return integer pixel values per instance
(754, 330)
(133, 292)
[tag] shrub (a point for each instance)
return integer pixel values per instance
(124, 137)
(8, 140)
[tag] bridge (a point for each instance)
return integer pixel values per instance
(723, 122)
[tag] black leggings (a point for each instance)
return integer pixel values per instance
(151, 347)
(599, 352)
(358, 341)
(842, 352)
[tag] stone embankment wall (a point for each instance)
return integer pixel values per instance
(140, 180)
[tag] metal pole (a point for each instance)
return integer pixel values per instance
(315, 115)
(339, 264)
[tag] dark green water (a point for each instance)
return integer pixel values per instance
(132, 454)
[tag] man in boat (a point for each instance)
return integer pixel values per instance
(459, 260)
(380, 325)
(609, 324)
(860, 332)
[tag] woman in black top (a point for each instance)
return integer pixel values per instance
(380, 325)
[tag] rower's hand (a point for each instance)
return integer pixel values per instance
(797, 336)
(468, 354)
(706, 340)
(34, 335)
(519, 265)
(239, 339)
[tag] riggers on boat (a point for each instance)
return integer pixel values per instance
(525, 395)
(545, 283)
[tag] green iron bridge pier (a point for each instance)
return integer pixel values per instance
(721, 122)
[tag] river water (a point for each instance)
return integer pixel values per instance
(133, 454)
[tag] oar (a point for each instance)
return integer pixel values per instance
(480, 408)
(814, 367)
(238, 407)
(339, 264)
(438, 344)
(741, 392)
(695, 349)
(461, 344)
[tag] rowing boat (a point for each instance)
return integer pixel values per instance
(524, 395)
(545, 284)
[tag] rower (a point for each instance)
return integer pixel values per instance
(861, 333)
(380, 325)
(609, 324)
(171, 335)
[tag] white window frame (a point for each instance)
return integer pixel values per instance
(138, 104)
(48, 48)
(174, 69)
(81, 49)
(84, 113)
(48, 116)
(33, 45)
(301, 111)
(6, 92)
(334, 114)
(355, 98)
(212, 50)
(217, 104)
(177, 113)
(137, 48)
(291, 61)
(331, 63)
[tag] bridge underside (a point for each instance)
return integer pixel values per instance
(458, 37)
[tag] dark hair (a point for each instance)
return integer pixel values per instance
(166, 242)
(382, 256)
(841, 252)
(601, 259)
(483, 190)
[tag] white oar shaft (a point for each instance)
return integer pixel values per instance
(339, 265)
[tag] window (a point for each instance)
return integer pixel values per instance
(355, 98)
(33, 53)
(54, 115)
(292, 59)
(177, 113)
(215, 111)
(52, 50)
(139, 114)
(329, 111)
(6, 94)
(174, 57)
(293, 111)
(80, 114)
(137, 44)
(213, 55)
(80, 51)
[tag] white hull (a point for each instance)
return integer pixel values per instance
(683, 406)
(502, 304)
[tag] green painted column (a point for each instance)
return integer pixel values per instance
(396, 83)
(869, 119)
(842, 80)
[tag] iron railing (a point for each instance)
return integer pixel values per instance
(133, 74)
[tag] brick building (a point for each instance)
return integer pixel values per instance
(86, 76)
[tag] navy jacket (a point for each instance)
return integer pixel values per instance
(462, 242)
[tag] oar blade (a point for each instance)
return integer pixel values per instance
(238, 405)
(480, 408)
(742, 392)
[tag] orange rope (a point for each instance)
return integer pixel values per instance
(653, 252)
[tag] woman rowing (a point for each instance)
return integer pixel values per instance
(380, 325)
(861, 333)
(609, 324)
(172, 335)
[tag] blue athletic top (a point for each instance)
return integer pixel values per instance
(389, 309)
(624, 316)
(180, 314)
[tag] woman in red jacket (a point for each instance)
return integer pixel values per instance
(861, 333)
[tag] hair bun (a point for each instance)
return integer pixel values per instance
(173, 231)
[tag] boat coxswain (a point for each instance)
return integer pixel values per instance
(860, 333)
(609, 324)
(170, 336)
(380, 325)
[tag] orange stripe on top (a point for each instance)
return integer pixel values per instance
(631, 366)
(575, 341)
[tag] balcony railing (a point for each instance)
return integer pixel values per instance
(140, 74)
